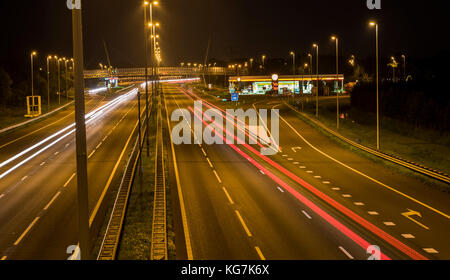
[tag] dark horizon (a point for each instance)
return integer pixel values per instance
(231, 25)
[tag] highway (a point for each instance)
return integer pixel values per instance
(38, 209)
(313, 200)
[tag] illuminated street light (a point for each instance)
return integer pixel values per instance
(32, 55)
(317, 79)
(372, 23)
(334, 38)
(48, 82)
(293, 62)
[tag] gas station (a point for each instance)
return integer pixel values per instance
(286, 84)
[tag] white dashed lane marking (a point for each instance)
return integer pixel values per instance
(228, 195)
(389, 224)
(306, 214)
(359, 204)
(373, 213)
(430, 250)
(42, 163)
(346, 253)
(408, 236)
(326, 182)
(280, 189)
(24, 178)
(336, 189)
(347, 195)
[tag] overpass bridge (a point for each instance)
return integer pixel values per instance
(135, 74)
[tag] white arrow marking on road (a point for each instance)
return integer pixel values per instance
(414, 213)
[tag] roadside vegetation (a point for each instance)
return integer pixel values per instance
(417, 143)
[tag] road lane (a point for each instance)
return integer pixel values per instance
(278, 223)
(56, 227)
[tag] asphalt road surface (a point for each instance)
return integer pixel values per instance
(312, 200)
(38, 209)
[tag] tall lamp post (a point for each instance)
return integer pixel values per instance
(146, 3)
(48, 82)
(373, 23)
(59, 81)
(65, 84)
(334, 38)
(150, 4)
(317, 79)
(32, 55)
(293, 62)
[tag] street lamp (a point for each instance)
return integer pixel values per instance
(375, 24)
(59, 81)
(66, 78)
(153, 44)
(32, 55)
(334, 38)
(48, 82)
(317, 79)
(293, 62)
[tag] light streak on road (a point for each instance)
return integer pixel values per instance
(89, 118)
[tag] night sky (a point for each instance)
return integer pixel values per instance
(237, 28)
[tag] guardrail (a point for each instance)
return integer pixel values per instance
(395, 159)
(111, 239)
(158, 250)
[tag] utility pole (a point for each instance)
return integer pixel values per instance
(82, 179)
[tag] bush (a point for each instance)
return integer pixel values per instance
(421, 104)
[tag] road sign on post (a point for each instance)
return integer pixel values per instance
(234, 96)
(33, 106)
(275, 84)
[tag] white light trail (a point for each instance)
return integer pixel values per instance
(89, 118)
